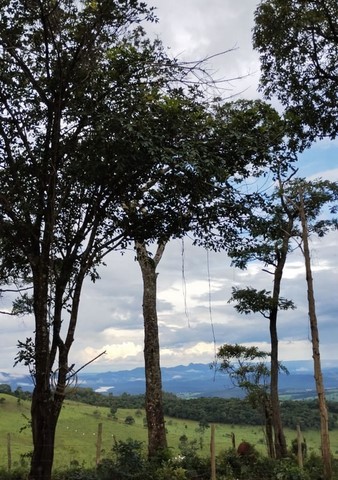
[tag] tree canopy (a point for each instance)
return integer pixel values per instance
(298, 45)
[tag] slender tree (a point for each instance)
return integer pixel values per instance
(247, 369)
(311, 197)
(268, 239)
(268, 304)
(324, 416)
(292, 215)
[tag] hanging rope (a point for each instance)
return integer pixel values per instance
(210, 308)
(184, 283)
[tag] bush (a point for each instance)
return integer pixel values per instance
(128, 462)
(77, 473)
(15, 474)
(129, 420)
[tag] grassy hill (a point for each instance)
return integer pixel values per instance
(77, 433)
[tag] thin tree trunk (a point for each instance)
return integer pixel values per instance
(279, 437)
(324, 418)
(268, 427)
(157, 440)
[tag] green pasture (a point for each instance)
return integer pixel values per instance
(77, 433)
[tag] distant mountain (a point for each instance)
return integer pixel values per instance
(192, 380)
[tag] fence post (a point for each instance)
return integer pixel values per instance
(299, 447)
(212, 453)
(9, 452)
(98, 443)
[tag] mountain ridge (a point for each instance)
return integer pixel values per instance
(194, 379)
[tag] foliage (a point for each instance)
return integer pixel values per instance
(129, 420)
(14, 474)
(250, 300)
(244, 365)
(255, 465)
(77, 473)
(128, 461)
(298, 46)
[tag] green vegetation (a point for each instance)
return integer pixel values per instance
(77, 432)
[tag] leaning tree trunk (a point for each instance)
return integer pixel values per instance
(157, 441)
(324, 418)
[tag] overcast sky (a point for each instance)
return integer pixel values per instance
(194, 287)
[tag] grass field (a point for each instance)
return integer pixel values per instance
(78, 428)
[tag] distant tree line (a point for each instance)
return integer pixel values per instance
(205, 409)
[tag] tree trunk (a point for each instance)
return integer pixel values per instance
(279, 437)
(45, 411)
(280, 449)
(157, 441)
(42, 415)
(268, 427)
(324, 418)
(47, 399)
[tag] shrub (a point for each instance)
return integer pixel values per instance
(128, 462)
(75, 474)
(129, 420)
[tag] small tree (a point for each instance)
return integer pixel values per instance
(129, 420)
(247, 369)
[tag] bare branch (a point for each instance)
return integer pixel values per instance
(85, 365)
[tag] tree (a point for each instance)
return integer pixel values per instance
(298, 46)
(268, 304)
(309, 198)
(247, 369)
(324, 415)
(294, 208)
(200, 154)
(70, 74)
(267, 239)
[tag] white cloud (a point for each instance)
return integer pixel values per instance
(117, 351)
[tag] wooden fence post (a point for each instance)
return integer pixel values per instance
(98, 443)
(212, 453)
(9, 452)
(299, 447)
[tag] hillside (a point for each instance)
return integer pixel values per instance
(77, 433)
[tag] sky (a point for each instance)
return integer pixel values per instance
(194, 286)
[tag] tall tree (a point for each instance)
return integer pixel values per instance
(310, 198)
(298, 46)
(200, 155)
(67, 163)
(271, 234)
(268, 304)
(267, 239)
